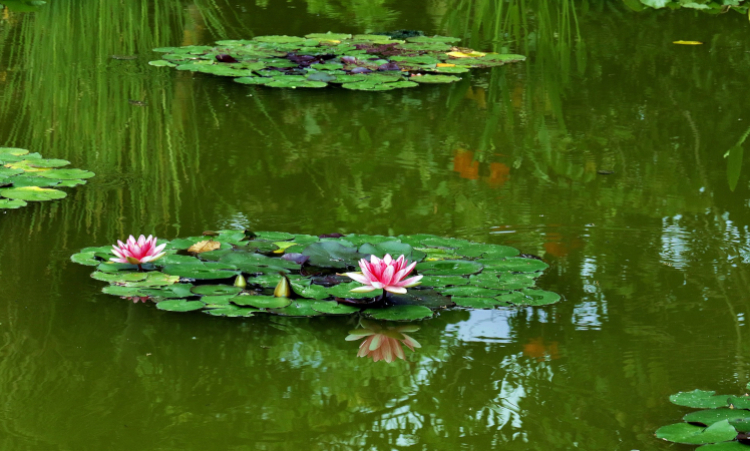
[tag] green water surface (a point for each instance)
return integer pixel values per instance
(603, 153)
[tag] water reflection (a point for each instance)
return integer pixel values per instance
(383, 342)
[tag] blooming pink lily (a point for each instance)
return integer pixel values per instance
(387, 274)
(137, 252)
(383, 344)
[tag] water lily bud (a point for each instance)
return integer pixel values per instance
(282, 289)
(240, 281)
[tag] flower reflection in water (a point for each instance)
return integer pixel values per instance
(383, 343)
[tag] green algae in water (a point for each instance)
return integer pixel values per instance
(359, 62)
(27, 177)
(233, 273)
(724, 425)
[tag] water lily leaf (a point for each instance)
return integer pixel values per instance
(488, 251)
(278, 82)
(469, 291)
(507, 282)
(118, 276)
(180, 306)
(152, 279)
(741, 424)
(215, 290)
(449, 268)
(394, 248)
(699, 399)
(330, 254)
(399, 313)
(711, 416)
(16, 152)
(444, 281)
(333, 308)
(479, 303)
(232, 311)
(218, 301)
(204, 246)
(426, 298)
(11, 204)
(249, 261)
(71, 183)
(279, 39)
(695, 435)
(739, 402)
(311, 291)
(435, 79)
(201, 271)
(262, 301)
(515, 264)
(40, 163)
(425, 46)
(32, 193)
(162, 63)
(344, 291)
(82, 258)
(122, 291)
(64, 174)
(297, 308)
(539, 297)
(253, 80)
(368, 86)
(448, 70)
(178, 290)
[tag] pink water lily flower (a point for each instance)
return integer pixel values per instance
(387, 274)
(383, 343)
(137, 252)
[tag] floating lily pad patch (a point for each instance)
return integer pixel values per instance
(240, 274)
(27, 177)
(358, 62)
(724, 425)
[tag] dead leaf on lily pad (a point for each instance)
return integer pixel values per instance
(687, 42)
(465, 55)
(445, 65)
(204, 246)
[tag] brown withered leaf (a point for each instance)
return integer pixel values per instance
(204, 246)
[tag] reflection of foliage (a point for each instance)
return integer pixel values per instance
(367, 15)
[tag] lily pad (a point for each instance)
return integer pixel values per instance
(262, 301)
(435, 79)
(400, 313)
(32, 193)
(298, 308)
(695, 435)
(216, 290)
(180, 306)
(515, 264)
(711, 416)
(450, 268)
(333, 308)
(478, 303)
(201, 271)
(699, 398)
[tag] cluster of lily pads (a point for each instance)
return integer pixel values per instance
(239, 273)
(363, 62)
(723, 426)
(27, 177)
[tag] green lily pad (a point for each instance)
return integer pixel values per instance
(711, 416)
(232, 311)
(344, 291)
(279, 39)
(82, 258)
(739, 402)
(443, 39)
(400, 313)
(478, 303)
(32, 193)
(515, 264)
(262, 301)
(695, 435)
(180, 306)
(449, 268)
(311, 291)
(435, 79)
(448, 70)
(152, 279)
(333, 308)
(293, 84)
(216, 290)
(724, 446)
(298, 308)
(700, 399)
(161, 63)
(253, 80)
(470, 292)
(201, 271)
(444, 281)
(330, 254)
(539, 297)
(741, 424)
(178, 290)
(218, 301)
(122, 291)
(11, 204)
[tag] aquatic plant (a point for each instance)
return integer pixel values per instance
(239, 273)
(137, 252)
(27, 177)
(387, 274)
(723, 426)
(383, 343)
(359, 62)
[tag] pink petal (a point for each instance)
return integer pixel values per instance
(387, 259)
(387, 276)
(410, 342)
(358, 277)
(410, 282)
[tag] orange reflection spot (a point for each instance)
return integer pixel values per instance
(557, 246)
(464, 164)
(499, 174)
(537, 350)
(478, 95)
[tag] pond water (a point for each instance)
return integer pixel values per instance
(603, 153)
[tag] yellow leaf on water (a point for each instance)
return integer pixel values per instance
(465, 55)
(445, 65)
(204, 246)
(283, 245)
(687, 42)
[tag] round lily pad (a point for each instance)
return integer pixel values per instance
(122, 291)
(435, 79)
(180, 306)
(515, 264)
(298, 308)
(699, 398)
(478, 303)
(262, 301)
(711, 416)
(723, 446)
(449, 268)
(200, 271)
(215, 290)
(333, 308)
(32, 193)
(695, 435)
(400, 313)
(11, 204)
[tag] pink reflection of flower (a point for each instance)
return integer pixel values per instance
(383, 344)
(387, 274)
(137, 252)
(136, 299)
